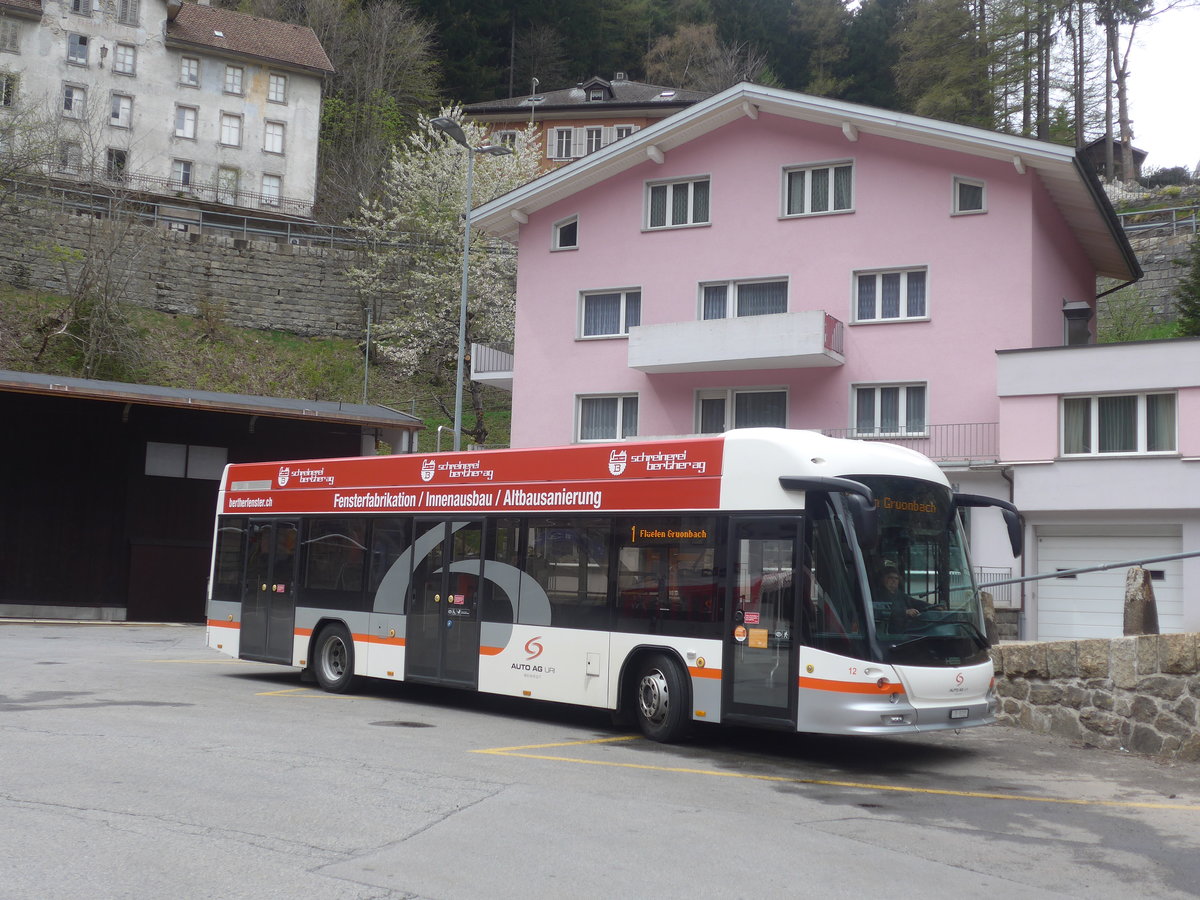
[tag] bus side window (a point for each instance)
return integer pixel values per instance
(832, 600)
(501, 571)
(390, 537)
(668, 576)
(568, 557)
(230, 559)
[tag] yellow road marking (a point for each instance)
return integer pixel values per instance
(856, 785)
(304, 692)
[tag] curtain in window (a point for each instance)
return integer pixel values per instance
(1117, 417)
(916, 293)
(889, 410)
(820, 190)
(714, 301)
(841, 187)
(598, 418)
(1077, 425)
(795, 193)
(633, 309)
(970, 196)
(602, 314)
(762, 298)
(1160, 422)
(712, 415)
(658, 206)
(891, 295)
(914, 410)
(700, 201)
(679, 204)
(864, 411)
(866, 296)
(760, 408)
(629, 417)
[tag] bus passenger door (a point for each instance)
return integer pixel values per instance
(760, 666)
(269, 590)
(442, 640)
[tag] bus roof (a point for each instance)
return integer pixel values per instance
(737, 470)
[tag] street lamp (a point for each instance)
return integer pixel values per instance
(449, 127)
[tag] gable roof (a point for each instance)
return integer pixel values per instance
(213, 28)
(1070, 182)
(619, 93)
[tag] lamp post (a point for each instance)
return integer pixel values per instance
(449, 127)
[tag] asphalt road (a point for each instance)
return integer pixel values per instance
(136, 763)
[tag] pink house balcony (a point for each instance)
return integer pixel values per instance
(492, 365)
(799, 340)
(966, 443)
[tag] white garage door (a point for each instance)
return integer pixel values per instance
(1092, 605)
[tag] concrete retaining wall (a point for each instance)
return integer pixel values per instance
(1140, 694)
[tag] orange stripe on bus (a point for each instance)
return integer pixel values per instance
(849, 687)
(704, 673)
(223, 623)
(373, 639)
(302, 632)
(490, 651)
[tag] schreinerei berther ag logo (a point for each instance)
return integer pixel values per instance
(284, 474)
(428, 468)
(616, 462)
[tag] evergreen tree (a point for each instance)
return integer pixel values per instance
(1187, 292)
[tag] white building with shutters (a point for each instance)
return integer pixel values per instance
(169, 98)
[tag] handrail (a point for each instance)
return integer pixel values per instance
(1176, 218)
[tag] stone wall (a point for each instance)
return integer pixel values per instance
(1140, 694)
(1157, 257)
(246, 283)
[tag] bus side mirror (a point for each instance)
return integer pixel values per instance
(1012, 517)
(858, 496)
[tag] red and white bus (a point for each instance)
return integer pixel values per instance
(732, 578)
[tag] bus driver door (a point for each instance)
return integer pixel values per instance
(442, 640)
(761, 635)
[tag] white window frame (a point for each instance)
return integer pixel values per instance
(10, 87)
(229, 184)
(1141, 424)
(10, 35)
(623, 131)
(907, 296)
(81, 7)
(731, 296)
(79, 49)
(185, 124)
(273, 137)
(125, 59)
(669, 189)
(626, 295)
(277, 88)
(957, 184)
(557, 239)
(74, 101)
(728, 398)
(506, 137)
(189, 71)
(231, 123)
(69, 157)
(564, 140)
(274, 196)
(620, 433)
(182, 173)
(593, 137)
(233, 80)
(789, 209)
(120, 110)
(903, 428)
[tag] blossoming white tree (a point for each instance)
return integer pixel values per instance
(414, 260)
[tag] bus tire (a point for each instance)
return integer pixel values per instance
(661, 698)
(333, 659)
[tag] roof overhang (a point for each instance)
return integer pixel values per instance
(1071, 184)
(211, 401)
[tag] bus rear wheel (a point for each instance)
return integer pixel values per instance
(333, 659)
(661, 699)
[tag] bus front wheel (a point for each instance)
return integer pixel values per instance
(661, 699)
(333, 659)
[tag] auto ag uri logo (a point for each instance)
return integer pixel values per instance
(284, 474)
(616, 461)
(959, 679)
(427, 470)
(534, 647)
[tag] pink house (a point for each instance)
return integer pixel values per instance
(771, 258)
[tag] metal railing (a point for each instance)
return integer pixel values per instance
(1002, 594)
(833, 334)
(491, 359)
(968, 442)
(1173, 220)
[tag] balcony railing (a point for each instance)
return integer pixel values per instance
(492, 365)
(972, 442)
(1174, 220)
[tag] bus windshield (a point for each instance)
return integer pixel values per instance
(924, 602)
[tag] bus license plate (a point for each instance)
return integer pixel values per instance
(960, 713)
